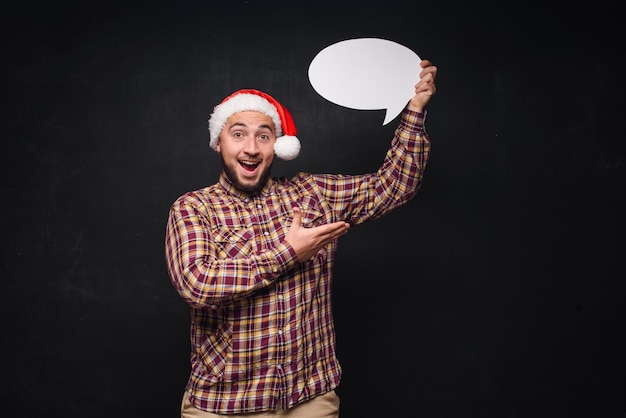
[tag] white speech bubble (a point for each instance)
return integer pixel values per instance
(366, 74)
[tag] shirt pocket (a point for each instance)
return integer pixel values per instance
(312, 215)
(233, 242)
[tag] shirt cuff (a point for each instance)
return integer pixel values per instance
(413, 121)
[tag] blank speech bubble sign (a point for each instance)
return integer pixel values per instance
(366, 74)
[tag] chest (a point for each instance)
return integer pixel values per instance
(240, 227)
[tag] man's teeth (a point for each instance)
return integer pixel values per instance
(249, 163)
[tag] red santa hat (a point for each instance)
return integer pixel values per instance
(287, 145)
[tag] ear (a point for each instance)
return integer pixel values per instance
(217, 147)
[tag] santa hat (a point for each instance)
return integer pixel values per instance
(287, 145)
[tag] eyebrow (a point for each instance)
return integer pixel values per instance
(245, 126)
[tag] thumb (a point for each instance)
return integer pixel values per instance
(297, 217)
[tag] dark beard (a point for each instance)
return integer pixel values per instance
(252, 189)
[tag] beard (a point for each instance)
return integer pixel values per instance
(231, 173)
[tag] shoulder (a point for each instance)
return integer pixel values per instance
(199, 197)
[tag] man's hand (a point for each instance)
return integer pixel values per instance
(425, 88)
(307, 241)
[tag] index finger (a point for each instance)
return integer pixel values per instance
(332, 227)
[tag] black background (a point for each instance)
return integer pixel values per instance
(497, 292)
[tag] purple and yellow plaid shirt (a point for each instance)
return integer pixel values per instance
(262, 332)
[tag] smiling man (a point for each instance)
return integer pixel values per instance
(247, 150)
(242, 130)
(252, 256)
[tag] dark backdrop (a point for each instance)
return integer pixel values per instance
(496, 292)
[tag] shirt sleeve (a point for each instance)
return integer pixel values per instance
(200, 277)
(357, 199)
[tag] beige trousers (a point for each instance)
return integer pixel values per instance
(323, 406)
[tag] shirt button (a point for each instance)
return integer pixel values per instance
(259, 206)
(266, 233)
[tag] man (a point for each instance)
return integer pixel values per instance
(253, 255)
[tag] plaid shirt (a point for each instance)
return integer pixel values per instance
(262, 332)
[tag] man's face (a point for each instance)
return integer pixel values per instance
(246, 145)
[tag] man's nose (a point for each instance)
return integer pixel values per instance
(251, 146)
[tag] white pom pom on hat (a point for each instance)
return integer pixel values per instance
(287, 146)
